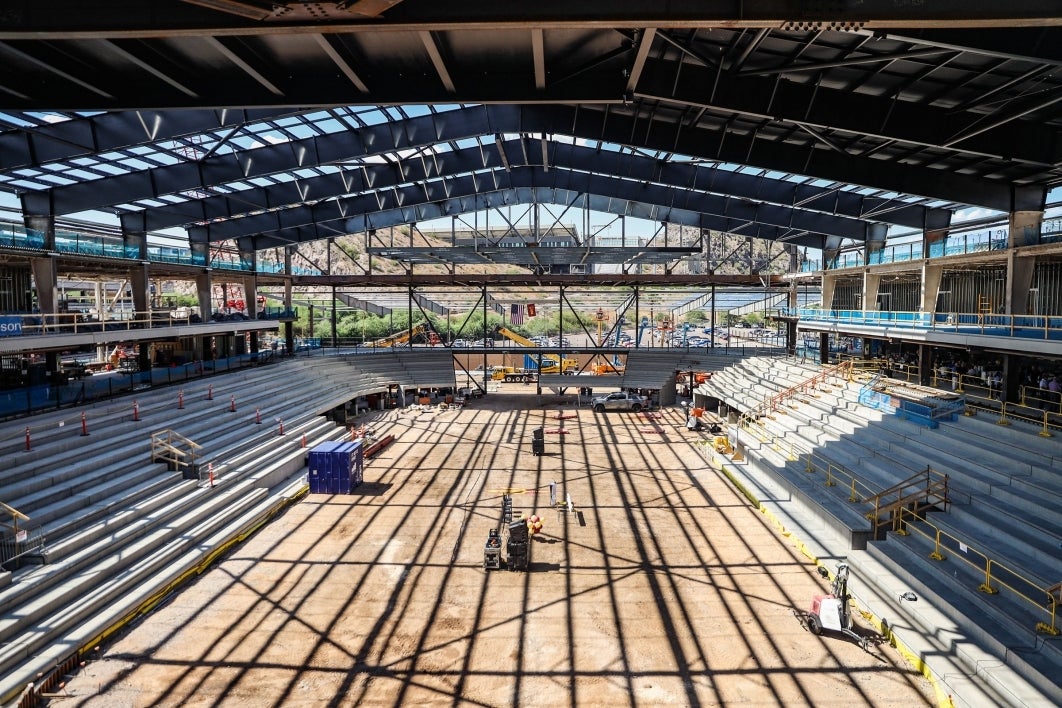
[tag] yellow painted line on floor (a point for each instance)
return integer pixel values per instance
(944, 700)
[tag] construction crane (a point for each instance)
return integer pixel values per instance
(397, 340)
(555, 365)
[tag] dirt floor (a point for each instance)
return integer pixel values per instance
(664, 587)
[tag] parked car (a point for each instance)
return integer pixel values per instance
(621, 400)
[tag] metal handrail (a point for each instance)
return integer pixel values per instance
(987, 586)
(920, 485)
(772, 402)
(858, 489)
(1048, 327)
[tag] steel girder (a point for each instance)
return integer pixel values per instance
(118, 130)
(698, 209)
(813, 160)
(681, 175)
(615, 127)
(425, 211)
(858, 115)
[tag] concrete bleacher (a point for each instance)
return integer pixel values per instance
(118, 526)
(652, 368)
(376, 372)
(1005, 489)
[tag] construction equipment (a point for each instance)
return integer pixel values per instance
(551, 363)
(512, 374)
(833, 612)
(399, 339)
(492, 551)
(609, 367)
(517, 549)
(645, 324)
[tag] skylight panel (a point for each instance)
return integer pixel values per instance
(135, 164)
(331, 125)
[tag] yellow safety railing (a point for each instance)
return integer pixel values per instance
(1008, 412)
(834, 474)
(985, 565)
(808, 386)
(923, 489)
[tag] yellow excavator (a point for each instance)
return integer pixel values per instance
(551, 363)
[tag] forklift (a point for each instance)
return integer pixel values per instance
(833, 612)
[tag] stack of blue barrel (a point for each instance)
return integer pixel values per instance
(335, 467)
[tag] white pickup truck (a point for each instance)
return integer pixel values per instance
(621, 400)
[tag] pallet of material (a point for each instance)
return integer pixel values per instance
(379, 445)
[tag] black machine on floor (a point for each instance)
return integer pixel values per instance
(516, 547)
(492, 551)
(517, 550)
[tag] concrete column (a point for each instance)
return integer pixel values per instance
(250, 294)
(871, 282)
(140, 283)
(830, 248)
(1011, 378)
(1020, 270)
(248, 254)
(135, 243)
(935, 230)
(143, 355)
(1024, 228)
(925, 362)
(931, 277)
(829, 285)
(46, 283)
(134, 234)
(930, 239)
(203, 284)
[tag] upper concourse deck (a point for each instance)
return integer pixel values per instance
(1026, 333)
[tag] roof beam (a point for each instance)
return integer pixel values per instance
(367, 8)
(66, 140)
(431, 44)
(52, 69)
(326, 44)
(653, 201)
(60, 19)
(697, 142)
(368, 177)
(538, 58)
(861, 115)
(645, 43)
(224, 50)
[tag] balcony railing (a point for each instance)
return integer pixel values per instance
(13, 235)
(1025, 326)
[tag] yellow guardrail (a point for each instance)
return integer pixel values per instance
(1045, 419)
(751, 422)
(992, 582)
(858, 489)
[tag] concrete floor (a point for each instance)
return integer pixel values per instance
(663, 588)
